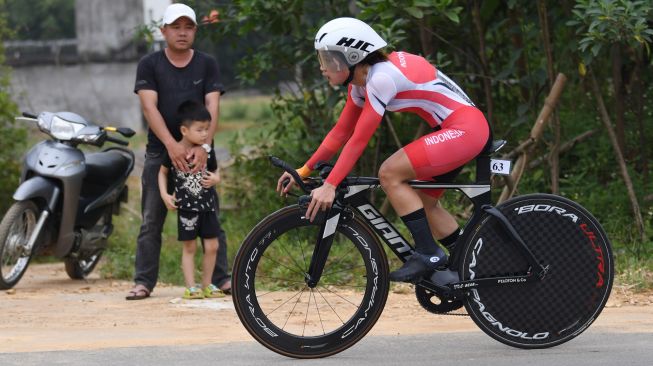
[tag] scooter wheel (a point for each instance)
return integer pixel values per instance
(79, 268)
(15, 230)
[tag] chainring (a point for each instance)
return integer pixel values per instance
(436, 303)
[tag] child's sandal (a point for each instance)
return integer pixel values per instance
(193, 293)
(212, 292)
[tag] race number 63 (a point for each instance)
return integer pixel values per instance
(501, 167)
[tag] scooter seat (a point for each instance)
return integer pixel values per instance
(107, 166)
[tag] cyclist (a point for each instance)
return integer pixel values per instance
(350, 54)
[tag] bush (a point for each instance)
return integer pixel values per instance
(12, 138)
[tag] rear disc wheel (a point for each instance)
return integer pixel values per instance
(562, 235)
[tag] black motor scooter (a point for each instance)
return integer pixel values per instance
(66, 197)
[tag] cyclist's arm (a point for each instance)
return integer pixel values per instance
(367, 124)
(337, 136)
(380, 90)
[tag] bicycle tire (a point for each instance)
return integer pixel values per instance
(269, 288)
(561, 234)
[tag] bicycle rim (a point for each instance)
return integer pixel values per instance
(562, 235)
(284, 314)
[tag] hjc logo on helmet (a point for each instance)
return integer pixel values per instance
(360, 45)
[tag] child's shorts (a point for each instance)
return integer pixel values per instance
(191, 224)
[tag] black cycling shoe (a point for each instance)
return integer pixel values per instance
(417, 265)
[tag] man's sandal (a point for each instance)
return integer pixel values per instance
(226, 287)
(138, 292)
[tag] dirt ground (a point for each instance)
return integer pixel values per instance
(47, 311)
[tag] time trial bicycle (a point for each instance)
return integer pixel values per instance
(532, 272)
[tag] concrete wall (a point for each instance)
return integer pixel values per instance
(106, 27)
(100, 92)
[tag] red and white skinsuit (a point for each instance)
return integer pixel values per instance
(407, 83)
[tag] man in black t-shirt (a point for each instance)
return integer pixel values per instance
(164, 80)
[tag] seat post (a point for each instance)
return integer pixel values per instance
(483, 161)
(483, 168)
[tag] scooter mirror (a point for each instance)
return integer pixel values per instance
(126, 131)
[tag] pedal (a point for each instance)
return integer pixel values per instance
(444, 277)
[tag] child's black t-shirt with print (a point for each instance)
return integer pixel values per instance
(190, 194)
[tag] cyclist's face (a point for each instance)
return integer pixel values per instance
(333, 68)
(335, 78)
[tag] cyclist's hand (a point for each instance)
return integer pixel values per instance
(283, 191)
(321, 200)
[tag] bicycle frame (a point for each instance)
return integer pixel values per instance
(353, 195)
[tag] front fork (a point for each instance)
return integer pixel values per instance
(323, 244)
(43, 218)
(27, 250)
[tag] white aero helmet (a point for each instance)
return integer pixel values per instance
(346, 40)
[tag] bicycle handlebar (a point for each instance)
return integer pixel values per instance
(286, 167)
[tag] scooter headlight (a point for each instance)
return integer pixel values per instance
(43, 123)
(64, 130)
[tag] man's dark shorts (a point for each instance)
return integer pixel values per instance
(191, 224)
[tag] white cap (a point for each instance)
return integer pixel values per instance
(176, 11)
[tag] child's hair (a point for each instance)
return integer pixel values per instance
(191, 111)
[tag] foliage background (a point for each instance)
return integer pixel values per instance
(12, 137)
(494, 49)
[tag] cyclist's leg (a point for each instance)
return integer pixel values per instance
(461, 137)
(393, 175)
(441, 222)
(439, 156)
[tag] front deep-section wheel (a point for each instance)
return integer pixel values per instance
(282, 312)
(563, 236)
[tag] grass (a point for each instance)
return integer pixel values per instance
(242, 117)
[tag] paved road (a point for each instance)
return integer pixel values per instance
(593, 348)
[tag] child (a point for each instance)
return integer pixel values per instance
(194, 199)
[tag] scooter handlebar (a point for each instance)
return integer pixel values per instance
(117, 141)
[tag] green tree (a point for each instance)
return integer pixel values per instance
(42, 19)
(614, 26)
(494, 49)
(12, 138)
